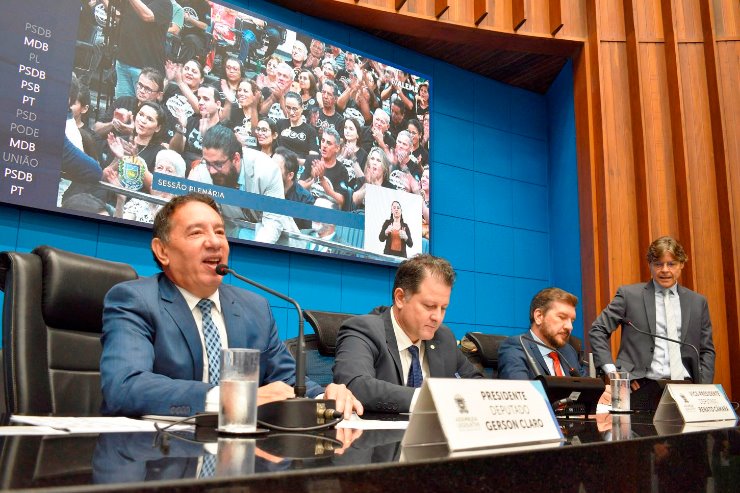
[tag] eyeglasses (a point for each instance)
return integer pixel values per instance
(293, 109)
(217, 165)
(660, 265)
(261, 130)
(144, 89)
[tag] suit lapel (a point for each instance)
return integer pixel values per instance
(434, 358)
(683, 298)
(390, 340)
(232, 318)
(534, 350)
(175, 305)
(648, 298)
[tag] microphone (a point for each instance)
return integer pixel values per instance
(532, 362)
(698, 358)
(571, 371)
(298, 413)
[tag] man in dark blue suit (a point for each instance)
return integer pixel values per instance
(551, 316)
(155, 329)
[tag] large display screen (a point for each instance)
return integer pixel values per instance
(112, 107)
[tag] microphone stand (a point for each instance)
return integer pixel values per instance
(531, 360)
(682, 343)
(298, 413)
(587, 390)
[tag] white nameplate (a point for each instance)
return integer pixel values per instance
(469, 414)
(694, 404)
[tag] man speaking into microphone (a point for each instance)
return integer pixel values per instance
(649, 312)
(544, 349)
(162, 335)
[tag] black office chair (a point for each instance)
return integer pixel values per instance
(577, 344)
(52, 321)
(482, 351)
(321, 345)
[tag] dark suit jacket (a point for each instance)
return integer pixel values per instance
(513, 363)
(368, 362)
(152, 361)
(636, 303)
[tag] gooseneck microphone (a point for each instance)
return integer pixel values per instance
(669, 339)
(298, 413)
(571, 370)
(300, 360)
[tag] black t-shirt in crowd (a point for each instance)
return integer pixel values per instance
(142, 43)
(336, 121)
(337, 176)
(301, 139)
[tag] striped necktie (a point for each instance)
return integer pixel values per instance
(212, 340)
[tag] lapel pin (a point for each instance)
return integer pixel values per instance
(431, 346)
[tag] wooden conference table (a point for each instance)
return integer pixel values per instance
(601, 455)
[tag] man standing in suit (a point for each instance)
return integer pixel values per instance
(551, 316)
(162, 335)
(384, 357)
(661, 307)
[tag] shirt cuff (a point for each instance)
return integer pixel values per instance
(212, 400)
(609, 367)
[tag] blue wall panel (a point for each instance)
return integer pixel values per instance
(492, 151)
(504, 203)
(454, 87)
(458, 245)
(494, 298)
(530, 206)
(493, 199)
(452, 140)
(565, 243)
(491, 103)
(494, 249)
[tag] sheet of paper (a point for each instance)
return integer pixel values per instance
(90, 424)
(29, 430)
(357, 423)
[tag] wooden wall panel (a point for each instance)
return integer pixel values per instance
(688, 20)
(573, 13)
(727, 18)
(704, 220)
(624, 256)
(660, 178)
(648, 21)
(610, 20)
(420, 8)
(538, 17)
(728, 69)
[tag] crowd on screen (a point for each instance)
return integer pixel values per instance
(341, 121)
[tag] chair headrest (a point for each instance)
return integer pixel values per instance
(487, 345)
(74, 287)
(326, 325)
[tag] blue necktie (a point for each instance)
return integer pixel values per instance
(415, 378)
(213, 341)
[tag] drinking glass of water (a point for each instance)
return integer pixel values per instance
(238, 390)
(620, 381)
